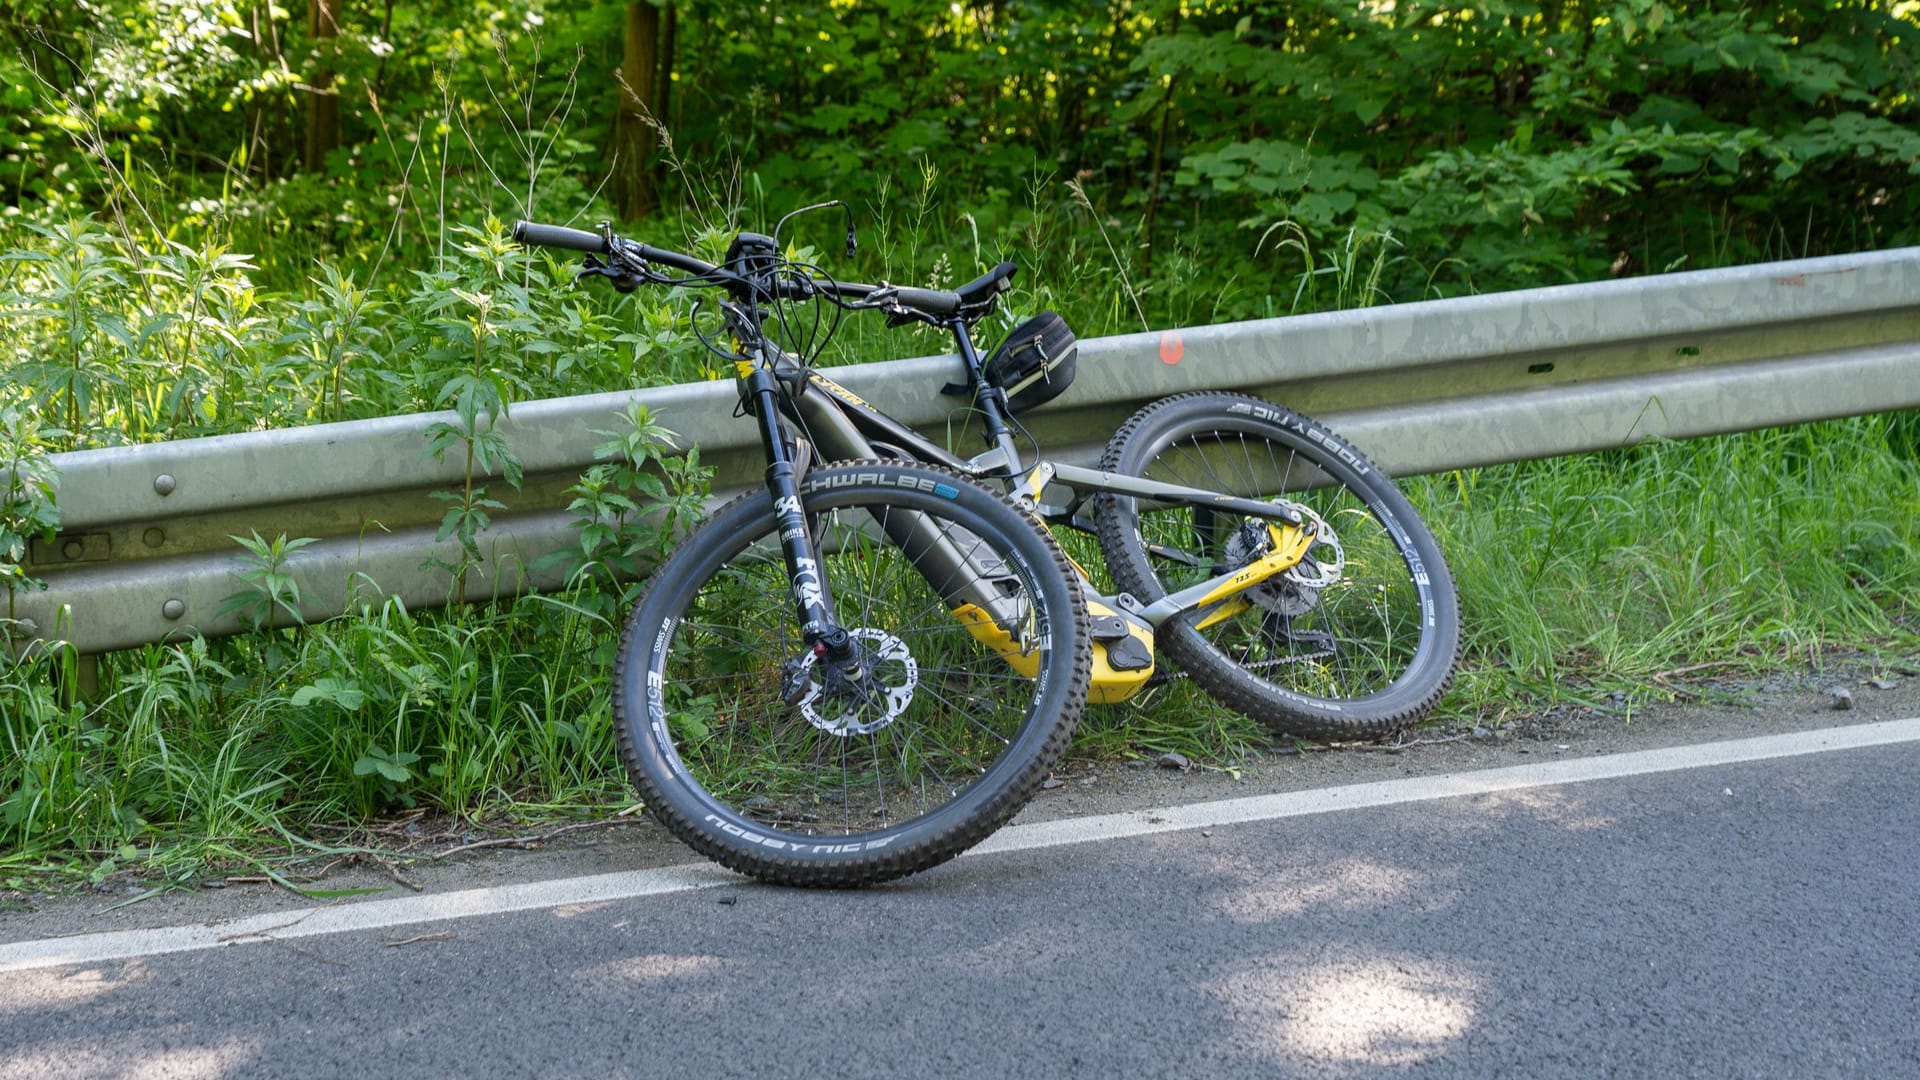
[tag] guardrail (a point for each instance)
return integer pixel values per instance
(145, 554)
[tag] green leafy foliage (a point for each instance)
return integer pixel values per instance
(339, 331)
(475, 313)
(79, 340)
(632, 507)
(29, 498)
(344, 694)
(1535, 141)
(268, 590)
(189, 248)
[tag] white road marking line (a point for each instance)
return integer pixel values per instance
(367, 915)
(1445, 786)
(378, 914)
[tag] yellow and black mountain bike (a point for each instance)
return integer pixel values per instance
(870, 665)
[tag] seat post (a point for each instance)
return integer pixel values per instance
(989, 401)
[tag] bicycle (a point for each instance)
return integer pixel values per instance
(1335, 619)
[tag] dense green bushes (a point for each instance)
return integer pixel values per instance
(1506, 143)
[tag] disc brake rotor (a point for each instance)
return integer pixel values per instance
(840, 705)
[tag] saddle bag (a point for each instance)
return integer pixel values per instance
(1035, 364)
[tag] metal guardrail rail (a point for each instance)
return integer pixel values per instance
(145, 554)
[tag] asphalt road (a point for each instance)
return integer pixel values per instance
(1734, 920)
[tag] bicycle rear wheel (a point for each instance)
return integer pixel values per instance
(744, 746)
(1361, 638)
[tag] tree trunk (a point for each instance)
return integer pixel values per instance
(1159, 152)
(634, 137)
(323, 105)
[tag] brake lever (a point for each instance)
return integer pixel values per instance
(593, 267)
(884, 300)
(623, 280)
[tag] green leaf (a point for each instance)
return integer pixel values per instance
(344, 693)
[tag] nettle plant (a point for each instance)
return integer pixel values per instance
(338, 329)
(481, 312)
(632, 507)
(72, 340)
(497, 322)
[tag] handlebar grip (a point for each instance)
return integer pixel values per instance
(534, 234)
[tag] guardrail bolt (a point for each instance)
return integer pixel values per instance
(163, 484)
(72, 550)
(173, 609)
(153, 538)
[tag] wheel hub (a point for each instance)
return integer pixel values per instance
(866, 694)
(1296, 590)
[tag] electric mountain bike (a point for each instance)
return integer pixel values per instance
(871, 665)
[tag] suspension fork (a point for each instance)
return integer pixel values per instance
(819, 627)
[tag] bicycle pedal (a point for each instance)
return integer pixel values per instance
(1122, 652)
(1128, 654)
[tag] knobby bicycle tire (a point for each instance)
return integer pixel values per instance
(1370, 652)
(739, 745)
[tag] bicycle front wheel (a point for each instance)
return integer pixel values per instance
(745, 746)
(1359, 638)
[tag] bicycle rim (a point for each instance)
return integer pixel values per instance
(743, 745)
(1371, 650)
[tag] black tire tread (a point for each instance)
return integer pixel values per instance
(893, 863)
(1228, 683)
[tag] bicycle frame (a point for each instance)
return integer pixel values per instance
(844, 426)
(773, 384)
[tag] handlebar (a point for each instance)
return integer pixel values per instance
(931, 303)
(534, 234)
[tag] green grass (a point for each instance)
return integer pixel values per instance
(209, 752)
(1579, 576)
(1764, 550)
